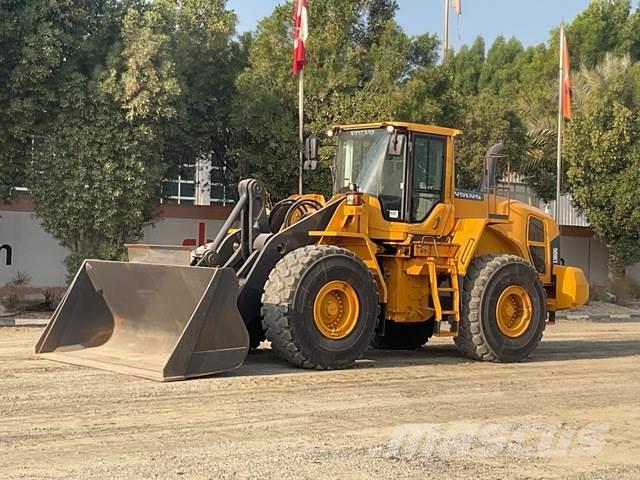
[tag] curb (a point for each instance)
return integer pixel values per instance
(42, 322)
(24, 322)
(602, 317)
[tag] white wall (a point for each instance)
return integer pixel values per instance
(40, 255)
(37, 253)
(34, 251)
(587, 253)
(634, 272)
(591, 255)
(174, 231)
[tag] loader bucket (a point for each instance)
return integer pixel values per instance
(160, 322)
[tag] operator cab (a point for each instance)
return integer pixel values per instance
(383, 159)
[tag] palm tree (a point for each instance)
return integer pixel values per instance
(602, 78)
(540, 116)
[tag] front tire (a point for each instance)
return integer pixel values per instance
(320, 307)
(503, 310)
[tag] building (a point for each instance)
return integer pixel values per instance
(196, 204)
(199, 184)
(26, 248)
(194, 211)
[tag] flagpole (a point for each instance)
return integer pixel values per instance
(301, 128)
(445, 52)
(560, 127)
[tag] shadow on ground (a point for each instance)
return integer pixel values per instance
(266, 362)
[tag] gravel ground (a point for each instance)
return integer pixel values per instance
(571, 412)
(602, 308)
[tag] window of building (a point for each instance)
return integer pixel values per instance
(201, 183)
(181, 190)
(220, 192)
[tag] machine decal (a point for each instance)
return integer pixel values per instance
(467, 195)
(555, 251)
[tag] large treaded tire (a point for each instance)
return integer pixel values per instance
(479, 336)
(404, 336)
(287, 309)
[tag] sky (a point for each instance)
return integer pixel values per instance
(528, 20)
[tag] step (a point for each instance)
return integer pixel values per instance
(452, 332)
(446, 334)
(445, 268)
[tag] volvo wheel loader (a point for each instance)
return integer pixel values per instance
(396, 256)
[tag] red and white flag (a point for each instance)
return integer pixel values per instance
(301, 32)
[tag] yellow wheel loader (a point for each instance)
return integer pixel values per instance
(396, 256)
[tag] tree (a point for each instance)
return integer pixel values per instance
(488, 120)
(430, 97)
(35, 37)
(603, 151)
(94, 178)
(44, 46)
(538, 112)
(128, 113)
(373, 21)
(207, 62)
(361, 67)
(467, 66)
(498, 73)
(97, 169)
(599, 29)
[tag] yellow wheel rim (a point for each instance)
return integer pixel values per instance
(336, 309)
(514, 311)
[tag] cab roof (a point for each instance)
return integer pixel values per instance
(413, 127)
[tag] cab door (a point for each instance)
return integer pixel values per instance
(426, 209)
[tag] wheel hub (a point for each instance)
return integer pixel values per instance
(514, 311)
(336, 309)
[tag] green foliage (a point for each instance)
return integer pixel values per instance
(488, 120)
(538, 111)
(34, 39)
(499, 74)
(599, 29)
(94, 177)
(603, 150)
(103, 99)
(361, 67)
(631, 42)
(111, 98)
(539, 166)
(207, 62)
(467, 66)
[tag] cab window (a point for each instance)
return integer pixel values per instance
(364, 160)
(537, 244)
(428, 175)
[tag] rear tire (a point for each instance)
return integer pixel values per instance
(404, 336)
(484, 334)
(290, 307)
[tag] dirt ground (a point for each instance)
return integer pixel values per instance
(571, 412)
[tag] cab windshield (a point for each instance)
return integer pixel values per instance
(363, 160)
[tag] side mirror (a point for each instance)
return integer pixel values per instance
(396, 144)
(310, 165)
(311, 147)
